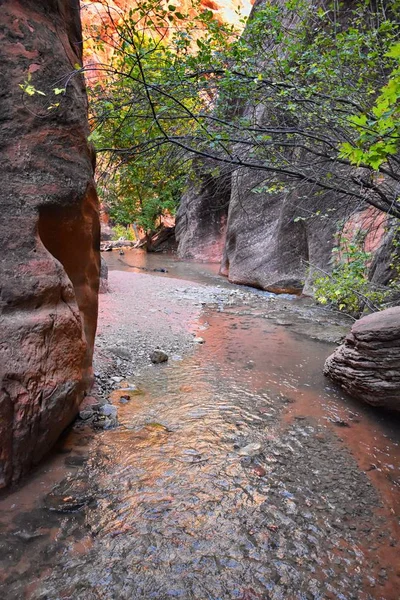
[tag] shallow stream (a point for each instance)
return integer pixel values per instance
(238, 472)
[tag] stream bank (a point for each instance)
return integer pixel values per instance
(237, 471)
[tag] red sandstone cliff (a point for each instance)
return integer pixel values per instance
(49, 232)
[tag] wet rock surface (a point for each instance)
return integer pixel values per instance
(70, 495)
(226, 477)
(49, 231)
(367, 364)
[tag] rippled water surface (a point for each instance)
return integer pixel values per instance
(237, 473)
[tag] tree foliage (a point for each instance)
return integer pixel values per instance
(309, 95)
(141, 102)
(347, 287)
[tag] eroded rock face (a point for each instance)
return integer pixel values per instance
(201, 218)
(266, 245)
(367, 365)
(272, 239)
(49, 231)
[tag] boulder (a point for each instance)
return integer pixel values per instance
(367, 364)
(49, 230)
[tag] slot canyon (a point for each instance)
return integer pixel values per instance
(199, 300)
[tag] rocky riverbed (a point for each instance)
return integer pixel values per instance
(137, 317)
(232, 470)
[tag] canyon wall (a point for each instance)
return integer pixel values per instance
(257, 237)
(49, 230)
(271, 240)
(202, 214)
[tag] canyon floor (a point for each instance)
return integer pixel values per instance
(235, 471)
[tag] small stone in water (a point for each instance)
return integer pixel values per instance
(250, 450)
(259, 470)
(340, 422)
(198, 340)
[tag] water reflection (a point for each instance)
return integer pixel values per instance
(235, 473)
(163, 265)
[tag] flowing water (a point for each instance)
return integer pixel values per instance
(236, 473)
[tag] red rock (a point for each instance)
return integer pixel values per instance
(367, 364)
(49, 232)
(88, 402)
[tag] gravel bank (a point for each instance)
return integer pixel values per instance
(142, 313)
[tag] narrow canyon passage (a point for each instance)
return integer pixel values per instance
(236, 470)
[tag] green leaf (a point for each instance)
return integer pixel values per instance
(394, 51)
(359, 120)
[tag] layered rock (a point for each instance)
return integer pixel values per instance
(266, 240)
(49, 230)
(367, 365)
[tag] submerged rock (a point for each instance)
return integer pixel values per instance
(367, 364)
(70, 495)
(108, 410)
(250, 450)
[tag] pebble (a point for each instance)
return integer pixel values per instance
(259, 471)
(86, 414)
(158, 356)
(340, 422)
(250, 450)
(108, 410)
